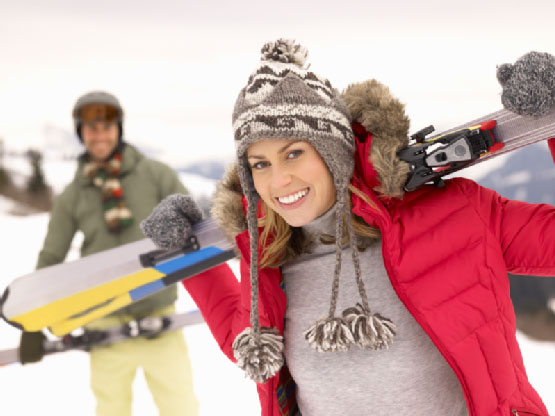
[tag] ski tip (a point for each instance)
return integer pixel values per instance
(2, 301)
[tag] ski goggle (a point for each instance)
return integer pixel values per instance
(98, 112)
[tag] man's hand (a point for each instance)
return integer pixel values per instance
(169, 224)
(31, 347)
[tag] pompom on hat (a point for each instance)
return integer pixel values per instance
(284, 100)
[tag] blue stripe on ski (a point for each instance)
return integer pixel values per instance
(187, 260)
(145, 290)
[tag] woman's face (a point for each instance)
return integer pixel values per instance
(292, 179)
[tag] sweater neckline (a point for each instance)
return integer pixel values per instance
(324, 224)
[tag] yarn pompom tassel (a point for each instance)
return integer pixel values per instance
(286, 51)
(259, 355)
(370, 331)
(331, 334)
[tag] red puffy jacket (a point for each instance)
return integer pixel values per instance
(447, 252)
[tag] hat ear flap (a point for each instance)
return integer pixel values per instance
(504, 72)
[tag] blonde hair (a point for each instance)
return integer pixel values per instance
(281, 242)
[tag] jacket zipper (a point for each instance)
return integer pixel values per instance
(424, 327)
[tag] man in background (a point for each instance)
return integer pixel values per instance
(115, 187)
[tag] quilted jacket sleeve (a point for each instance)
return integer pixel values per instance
(525, 232)
(217, 294)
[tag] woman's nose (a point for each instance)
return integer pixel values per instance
(280, 178)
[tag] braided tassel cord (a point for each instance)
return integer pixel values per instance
(332, 333)
(258, 352)
(370, 331)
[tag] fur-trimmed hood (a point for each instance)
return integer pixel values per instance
(227, 204)
(371, 104)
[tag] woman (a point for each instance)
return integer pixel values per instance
(420, 319)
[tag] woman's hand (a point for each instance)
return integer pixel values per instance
(169, 224)
(528, 84)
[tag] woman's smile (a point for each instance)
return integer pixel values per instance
(293, 200)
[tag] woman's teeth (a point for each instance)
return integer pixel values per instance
(292, 198)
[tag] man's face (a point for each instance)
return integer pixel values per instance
(100, 139)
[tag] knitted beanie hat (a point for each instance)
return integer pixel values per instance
(284, 100)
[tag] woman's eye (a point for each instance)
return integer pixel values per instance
(259, 165)
(294, 154)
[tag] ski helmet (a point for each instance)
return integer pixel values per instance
(102, 98)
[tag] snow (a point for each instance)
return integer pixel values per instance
(6, 204)
(198, 185)
(539, 360)
(59, 385)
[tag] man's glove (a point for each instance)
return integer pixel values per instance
(31, 347)
(169, 224)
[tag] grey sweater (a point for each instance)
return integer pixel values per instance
(409, 378)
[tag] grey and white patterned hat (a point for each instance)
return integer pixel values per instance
(284, 100)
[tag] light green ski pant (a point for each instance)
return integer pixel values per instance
(165, 363)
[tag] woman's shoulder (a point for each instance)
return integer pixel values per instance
(459, 187)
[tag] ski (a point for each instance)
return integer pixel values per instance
(67, 296)
(492, 135)
(146, 327)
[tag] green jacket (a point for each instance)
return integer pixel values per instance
(145, 182)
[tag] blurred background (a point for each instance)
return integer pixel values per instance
(177, 66)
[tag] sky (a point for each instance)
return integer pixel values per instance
(177, 66)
